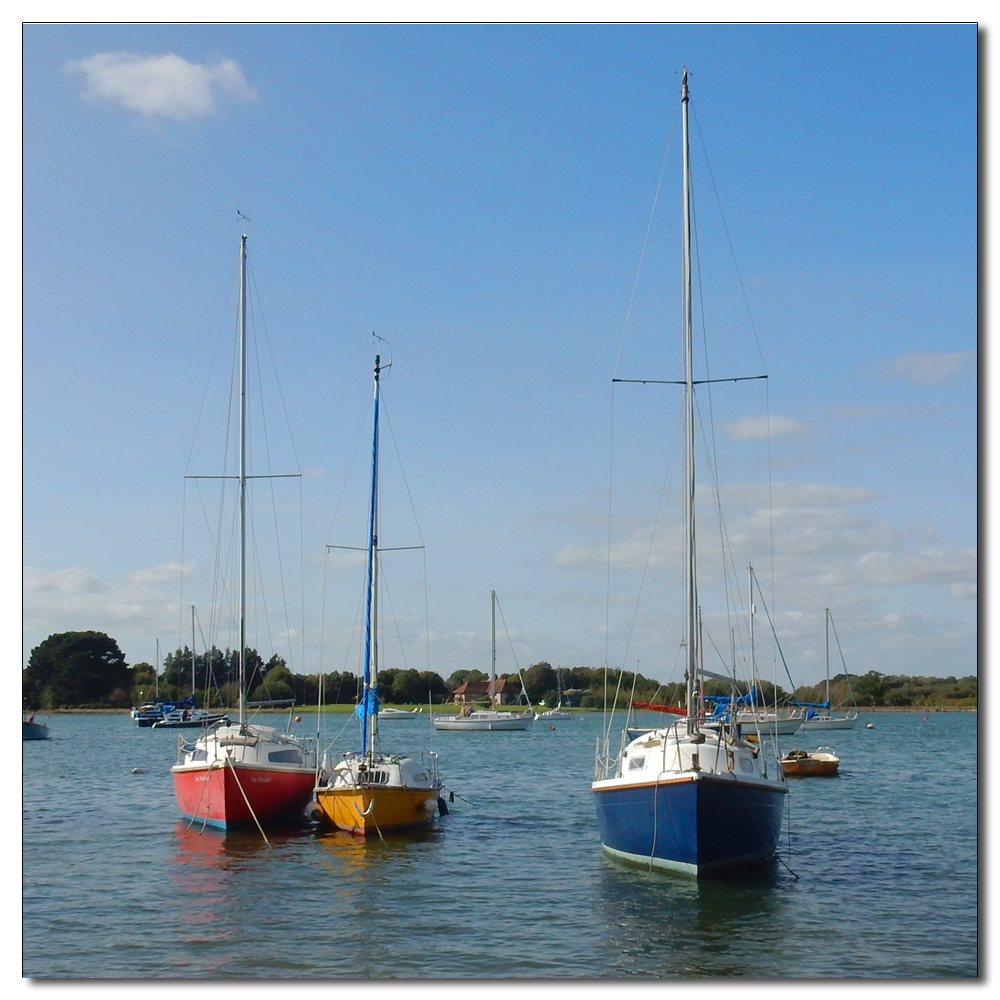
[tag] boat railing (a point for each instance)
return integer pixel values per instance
(606, 764)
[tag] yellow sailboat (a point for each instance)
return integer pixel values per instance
(370, 790)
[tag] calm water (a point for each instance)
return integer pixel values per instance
(877, 878)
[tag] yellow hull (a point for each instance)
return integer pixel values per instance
(371, 810)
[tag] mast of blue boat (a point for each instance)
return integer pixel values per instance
(690, 581)
(753, 655)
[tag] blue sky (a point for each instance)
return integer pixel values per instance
(479, 196)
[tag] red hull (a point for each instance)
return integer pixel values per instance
(214, 796)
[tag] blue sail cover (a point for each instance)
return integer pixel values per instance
(186, 703)
(368, 705)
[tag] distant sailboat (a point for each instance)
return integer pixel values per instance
(825, 720)
(485, 719)
(557, 712)
(243, 774)
(371, 790)
(687, 796)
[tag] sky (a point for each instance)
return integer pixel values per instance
(501, 205)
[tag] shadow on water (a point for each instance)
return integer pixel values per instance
(667, 924)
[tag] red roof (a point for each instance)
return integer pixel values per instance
(474, 687)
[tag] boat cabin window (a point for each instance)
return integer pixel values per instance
(637, 763)
(285, 757)
(746, 765)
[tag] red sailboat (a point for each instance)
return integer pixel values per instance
(242, 774)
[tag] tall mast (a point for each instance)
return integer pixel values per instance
(493, 660)
(368, 692)
(242, 472)
(192, 651)
(690, 578)
(828, 659)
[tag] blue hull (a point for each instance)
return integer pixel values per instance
(694, 826)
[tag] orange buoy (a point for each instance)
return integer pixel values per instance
(298, 718)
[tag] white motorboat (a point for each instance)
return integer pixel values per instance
(398, 713)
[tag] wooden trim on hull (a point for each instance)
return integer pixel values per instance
(368, 810)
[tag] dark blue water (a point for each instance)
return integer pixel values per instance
(877, 876)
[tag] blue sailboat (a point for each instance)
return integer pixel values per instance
(692, 796)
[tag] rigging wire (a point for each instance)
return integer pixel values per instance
(760, 352)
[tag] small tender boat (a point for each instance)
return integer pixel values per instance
(31, 730)
(821, 763)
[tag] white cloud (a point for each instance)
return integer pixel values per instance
(784, 493)
(891, 411)
(164, 86)
(630, 552)
(70, 600)
(939, 564)
(61, 581)
(762, 426)
(929, 367)
(964, 590)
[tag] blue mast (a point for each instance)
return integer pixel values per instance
(369, 699)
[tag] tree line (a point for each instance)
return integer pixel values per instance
(88, 670)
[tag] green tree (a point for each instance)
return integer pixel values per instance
(541, 683)
(278, 684)
(75, 669)
(433, 684)
(871, 688)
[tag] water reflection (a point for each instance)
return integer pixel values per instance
(663, 924)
